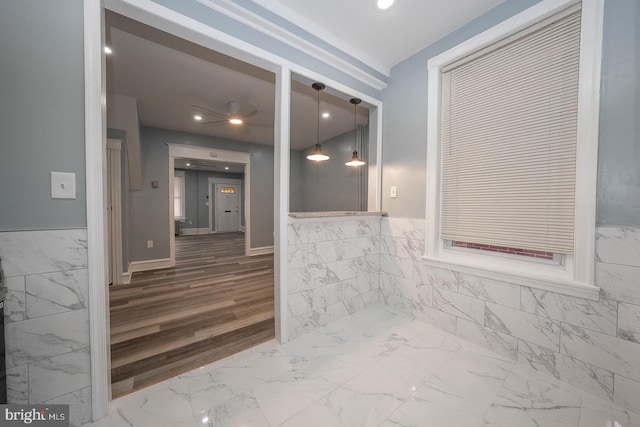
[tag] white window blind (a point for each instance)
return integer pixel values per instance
(509, 128)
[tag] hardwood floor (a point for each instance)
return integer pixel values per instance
(214, 303)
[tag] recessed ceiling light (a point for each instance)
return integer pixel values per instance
(188, 164)
(384, 4)
(197, 117)
(107, 50)
(235, 121)
(226, 168)
(326, 115)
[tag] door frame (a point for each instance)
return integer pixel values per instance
(114, 171)
(206, 153)
(175, 23)
(213, 228)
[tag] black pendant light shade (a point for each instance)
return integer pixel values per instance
(355, 160)
(318, 155)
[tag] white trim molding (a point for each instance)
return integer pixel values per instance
(95, 162)
(208, 153)
(264, 250)
(147, 265)
(576, 275)
(270, 29)
(213, 225)
(194, 231)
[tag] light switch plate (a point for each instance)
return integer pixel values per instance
(394, 192)
(63, 185)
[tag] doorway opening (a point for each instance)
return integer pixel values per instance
(198, 283)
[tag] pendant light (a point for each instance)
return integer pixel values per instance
(355, 160)
(318, 155)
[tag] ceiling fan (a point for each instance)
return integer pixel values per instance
(236, 115)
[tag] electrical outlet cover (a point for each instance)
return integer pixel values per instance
(63, 185)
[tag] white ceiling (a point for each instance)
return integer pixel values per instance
(380, 38)
(170, 76)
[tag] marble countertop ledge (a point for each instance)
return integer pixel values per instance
(334, 214)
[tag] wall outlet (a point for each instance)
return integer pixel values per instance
(63, 185)
(149, 244)
(394, 192)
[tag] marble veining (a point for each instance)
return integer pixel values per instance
(629, 322)
(58, 375)
(618, 282)
(58, 292)
(15, 299)
(611, 353)
(44, 337)
(597, 381)
(595, 315)
(17, 385)
(539, 330)
(627, 393)
(34, 252)
(618, 245)
(372, 368)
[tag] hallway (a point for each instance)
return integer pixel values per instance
(214, 303)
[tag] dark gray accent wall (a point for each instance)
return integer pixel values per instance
(41, 112)
(619, 149)
(150, 206)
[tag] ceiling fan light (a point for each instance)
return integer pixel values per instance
(355, 160)
(235, 121)
(318, 155)
(384, 4)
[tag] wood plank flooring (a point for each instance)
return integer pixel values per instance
(214, 303)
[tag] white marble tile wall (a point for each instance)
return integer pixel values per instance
(333, 270)
(593, 345)
(47, 320)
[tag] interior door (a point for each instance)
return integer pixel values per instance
(227, 207)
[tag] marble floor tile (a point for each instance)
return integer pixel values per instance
(373, 368)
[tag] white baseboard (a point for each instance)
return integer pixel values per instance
(194, 231)
(241, 229)
(261, 251)
(126, 278)
(152, 264)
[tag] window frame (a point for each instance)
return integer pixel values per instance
(182, 175)
(575, 276)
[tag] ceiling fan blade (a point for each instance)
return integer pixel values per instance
(209, 111)
(214, 123)
(252, 112)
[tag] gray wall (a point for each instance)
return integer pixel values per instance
(619, 149)
(296, 159)
(149, 214)
(404, 123)
(197, 191)
(405, 107)
(328, 185)
(41, 112)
